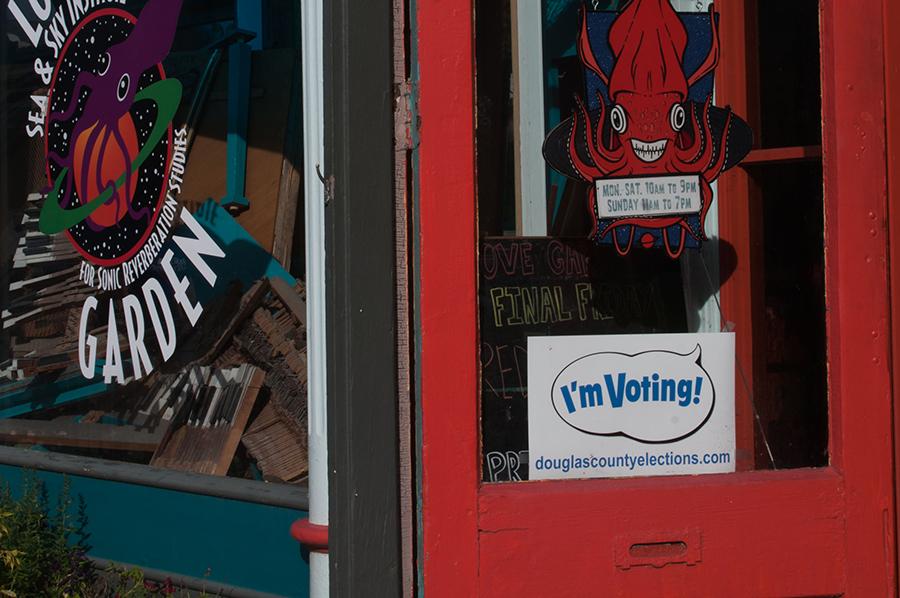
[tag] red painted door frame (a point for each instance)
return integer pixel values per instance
(892, 79)
(780, 533)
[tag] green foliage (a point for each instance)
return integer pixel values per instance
(43, 545)
(43, 551)
(130, 583)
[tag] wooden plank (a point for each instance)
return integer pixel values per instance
(528, 118)
(404, 116)
(740, 223)
(279, 450)
(286, 228)
(291, 299)
(448, 359)
(233, 439)
(197, 441)
(782, 155)
(66, 274)
(206, 169)
(86, 435)
(573, 538)
(363, 502)
(892, 78)
(858, 302)
(249, 302)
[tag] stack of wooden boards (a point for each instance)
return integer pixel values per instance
(263, 405)
(210, 409)
(45, 297)
(248, 390)
(233, 402)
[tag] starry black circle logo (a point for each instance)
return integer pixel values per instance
(108, 141)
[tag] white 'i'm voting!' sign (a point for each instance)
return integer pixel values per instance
(630, 405)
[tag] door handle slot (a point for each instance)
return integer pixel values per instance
(659, 549)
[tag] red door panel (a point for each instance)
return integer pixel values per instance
(616, 539)
(784, 533)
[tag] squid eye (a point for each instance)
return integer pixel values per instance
(105, 68)
(677, 117)
(124, 84)
(618, 120)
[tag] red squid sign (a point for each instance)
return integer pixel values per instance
(648, 140)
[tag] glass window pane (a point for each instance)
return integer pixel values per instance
(790, 99)
(152, 278)
(754, 263)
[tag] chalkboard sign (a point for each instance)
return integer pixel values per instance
(543, 287)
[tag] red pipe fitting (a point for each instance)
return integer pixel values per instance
(311, 536)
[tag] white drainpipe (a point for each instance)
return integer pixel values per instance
(314, 193)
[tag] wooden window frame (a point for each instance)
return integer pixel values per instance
(742, 296)
(508, 539)
(364, 437)
(892, 79)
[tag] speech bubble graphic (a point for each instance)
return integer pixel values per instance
(654, 397)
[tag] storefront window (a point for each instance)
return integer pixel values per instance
(152, 244)
(559, 115)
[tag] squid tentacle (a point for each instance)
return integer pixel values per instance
(615, 237)
(85, 80)
(668, 244)
(615, 156)
(705, 155)
(67, 196)
(706, 197)
(586, 53)
(604, 163)
(712, 59)
(125, 192)
(586, 171)
(87, 153)
(61, 161)
(98, 171)
(714, 170)
(135, 214)
(690, 155)
(592, 210)
(102, 185)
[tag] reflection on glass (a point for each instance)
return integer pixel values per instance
(152, 295)
(760, 274)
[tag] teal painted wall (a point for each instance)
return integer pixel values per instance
(232, 542)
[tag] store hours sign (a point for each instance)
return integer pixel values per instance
(649, 196)
(630, 405)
